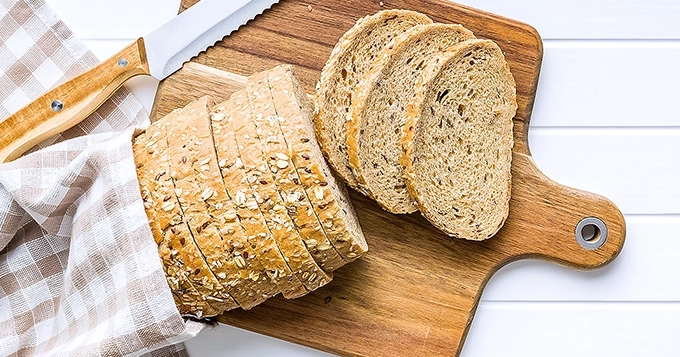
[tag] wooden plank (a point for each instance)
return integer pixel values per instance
(592, 19)
(416, 291)
(120, 23)
(608, 83)
(646, 270)
(575, 329)
(630, 166)
(511, 329)
(580, 19)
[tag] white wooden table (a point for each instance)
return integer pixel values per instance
(606, 119)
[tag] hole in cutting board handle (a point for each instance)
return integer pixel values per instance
(591, 233)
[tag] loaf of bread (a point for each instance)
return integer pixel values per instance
(378, 111)
(286, 179)
(333, 209)
(262, 181)
(210, 212)
(348, 62)
(199, 291)
(248, 210)
(233, 226)
(457, 147)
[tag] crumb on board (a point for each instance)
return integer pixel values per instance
(309, 7)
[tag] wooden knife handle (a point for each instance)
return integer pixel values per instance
(69, 103)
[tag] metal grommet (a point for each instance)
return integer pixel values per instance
(57, 105)
(591, 233)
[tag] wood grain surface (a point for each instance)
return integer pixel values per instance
(416, 291)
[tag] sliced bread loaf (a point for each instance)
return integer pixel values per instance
(261, 178)
(378, 111)
(329, 199)
(209, 210)
(187, 272)
(247, 208)
(286, 178)
(457, 147)
(348, 62)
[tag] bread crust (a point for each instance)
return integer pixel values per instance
(210, 211)
(426, 87)
(200, 292)
(147, 189)
(271, 204)
(328, 121)
(341, 227)
(279, 158)
(366, 115)
(247, 208)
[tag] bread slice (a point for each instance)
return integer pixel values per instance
(147, 188)
(143, 155)
(247, 208)
(286, 178)
(457, 147)
(378, 111)
(330, 200)
(262, 181)
(187, 273)
(348, 63)
(209, 211)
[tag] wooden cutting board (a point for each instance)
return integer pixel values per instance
(415, 293)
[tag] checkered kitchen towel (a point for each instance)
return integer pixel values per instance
(79, 269)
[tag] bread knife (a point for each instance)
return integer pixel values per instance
(158, 54)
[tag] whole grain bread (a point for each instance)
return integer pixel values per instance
(286, 178)
(348, 63)
(329, 199)
(261, 178)
(147, 187)
(378, 111)
(187, 273)
(457, 146)
(209, 210)
(247, 208)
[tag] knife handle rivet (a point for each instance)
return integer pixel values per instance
(122, 62)
(57, 105)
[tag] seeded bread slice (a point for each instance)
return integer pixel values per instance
(348, 63)
(457, 148)
(329, 199)
(141, 148)
(247, 208)
(145, 174)
(178, 233)
(187, 272)
(378, 111)
(286, 178)
(260, 176)
(209, 210)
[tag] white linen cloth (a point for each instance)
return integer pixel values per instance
(79, 269)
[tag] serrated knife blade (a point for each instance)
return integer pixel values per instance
(159, 54)
(198, 27)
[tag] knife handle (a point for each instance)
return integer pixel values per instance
(70, 103)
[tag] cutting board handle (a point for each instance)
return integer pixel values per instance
(549, 223)
(69, 103)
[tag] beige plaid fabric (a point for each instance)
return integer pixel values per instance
(79, 269)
